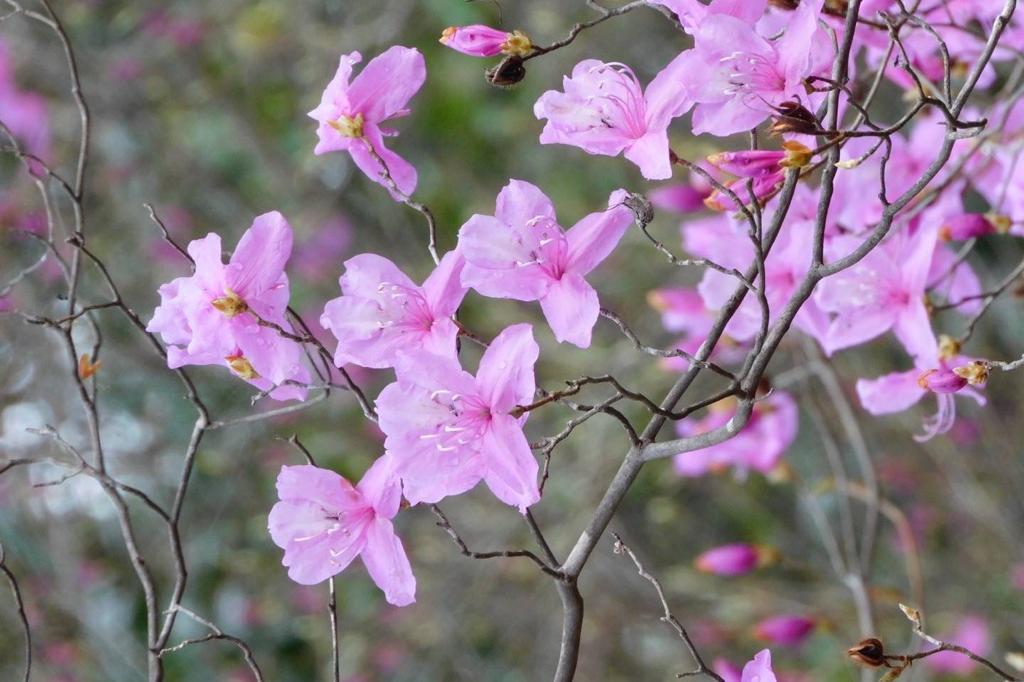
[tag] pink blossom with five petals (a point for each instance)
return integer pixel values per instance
(521, 253)
(382, 312)
(213, 316)
(351, 113)
(323, 523)
(448, 430)
(604, 110)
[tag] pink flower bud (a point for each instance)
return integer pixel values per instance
(942, 380)
(764, 188)
(748, 163)
(966, 226)
(728, 560)
(483, 41)
(753, 163)
(784, 630)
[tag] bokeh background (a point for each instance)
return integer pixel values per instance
(199, 109)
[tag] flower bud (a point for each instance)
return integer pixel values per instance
(949, 347)
(785, 630)
(764, 188)
(483, 41)
(749, 163)
(941, 381)
(728, 560)
(966, 226)
(869, 652)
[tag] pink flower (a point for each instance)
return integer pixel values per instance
(212, 317)
(381, 312)
(759, 669)
(683, 310)
(784, 630)
(448, 429)
(483, 41)
(885, 290)
(322, 523)
(943, 376)
(760, 445)
(692, 13)
(736, 76)
(351, 113)
(729, 560)
(603, 110)
(967, 226)
(521, 253)
(25, 114)
(972, 633)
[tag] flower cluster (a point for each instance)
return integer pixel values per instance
(448, 428)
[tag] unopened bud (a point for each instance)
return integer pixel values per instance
(966, 226)
(949, 347)
(483, 41)
(728, 560)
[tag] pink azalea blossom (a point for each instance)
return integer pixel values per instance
(726, 241)
(381, 312)
(448, 429)
(729, 560)
(736, 76)
(691, 13)
(212, 317)
(759, 669)
(683, 311)
(885, 290)
(483, 41)
(785, 630)
(351, 114)
(521, 253)
(603, 110)
(769, 432)
(935, 373)
(972, 633)
(323, 522)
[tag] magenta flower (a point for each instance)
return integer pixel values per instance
(212, 317)
(448, 429)
(736, 76)
(759, 669)
(25, 114)
(483, 41)
(381, 312)
(322, 523)
(603, 110)
(351, 113)
(521, 253)
(965, 226)
(769, 432)
(784, 630)
(729, 560)
(885, 290)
